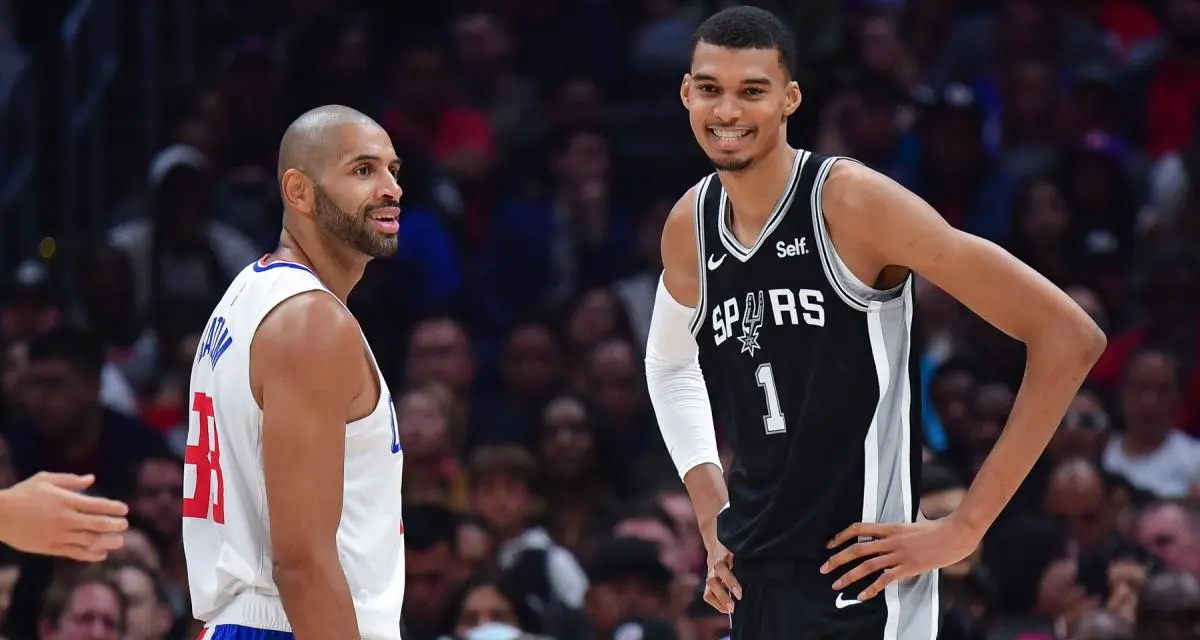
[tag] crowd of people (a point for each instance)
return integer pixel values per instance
(543, 145)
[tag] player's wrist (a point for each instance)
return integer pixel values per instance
(967, 523)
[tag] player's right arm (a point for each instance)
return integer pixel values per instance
(680, 397)
(306, 364)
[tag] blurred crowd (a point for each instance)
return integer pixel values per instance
(543, 145)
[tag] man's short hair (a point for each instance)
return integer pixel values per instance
(507, 460)
(76, 347)
(65, 584)
(748, 28)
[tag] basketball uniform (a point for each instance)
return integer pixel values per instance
(813, 376)
(226, 533)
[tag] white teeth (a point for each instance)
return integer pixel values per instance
(729, 134)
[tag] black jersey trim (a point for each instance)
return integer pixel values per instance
(701, 272)
(836, 272)
(782, 206)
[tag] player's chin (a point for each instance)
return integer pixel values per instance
(384, 246)
(729, 162)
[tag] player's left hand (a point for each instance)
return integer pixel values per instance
(899, 550)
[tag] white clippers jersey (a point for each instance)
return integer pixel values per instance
(226, 532)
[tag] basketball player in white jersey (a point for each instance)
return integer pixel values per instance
(291, 519)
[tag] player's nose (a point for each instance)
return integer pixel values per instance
(389, 188)
(727, 110)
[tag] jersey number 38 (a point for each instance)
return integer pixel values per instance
(208, 500)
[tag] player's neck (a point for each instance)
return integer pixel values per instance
(754, 192)
(339, 273)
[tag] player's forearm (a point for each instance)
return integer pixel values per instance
(1057, 363)
(706, 487)
(316, 597)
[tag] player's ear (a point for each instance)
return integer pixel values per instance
(685, 91)
(296, 191)
(792, 99)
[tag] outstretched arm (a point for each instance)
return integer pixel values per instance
(309, 353)
(680, 397)
(884, 225)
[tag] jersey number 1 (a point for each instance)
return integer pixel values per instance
(773, 420)
(206, 456)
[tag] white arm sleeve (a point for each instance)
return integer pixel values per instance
(676, 385)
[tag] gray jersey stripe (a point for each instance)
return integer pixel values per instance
(702, 270)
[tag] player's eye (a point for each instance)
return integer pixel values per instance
(363, 170)
(754, 92)
(708, 88)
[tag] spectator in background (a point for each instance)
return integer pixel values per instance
(569, 237)
(531, 370)
(68, 428)
(107, 307)
(1164, 88)
(1169, 295)
(1169, 607)
(87, 605)
(30, 303)
(488, 600)
(502, 493)
(157, 486)
(177, 251)
(440, 351)
(432, 431)
(578, 475)
(636, 291)
(148, 615)
(1044, 232)
(1171, 531)
(430, 571)
(1034, 563)
(1152, 453)
(490, 80)
(629, 586)
(954, 173)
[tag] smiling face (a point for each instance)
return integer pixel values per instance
(343, 176)
(738, 101)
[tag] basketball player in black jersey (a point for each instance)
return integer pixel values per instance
(786, 309)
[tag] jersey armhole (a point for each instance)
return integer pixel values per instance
(701, 274)
(853, 291)
(275, 297)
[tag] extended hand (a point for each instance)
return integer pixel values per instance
(46, 514)
(899, 550)
(721, 587)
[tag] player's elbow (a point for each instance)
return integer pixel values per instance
(299, 558)
(1078, 340)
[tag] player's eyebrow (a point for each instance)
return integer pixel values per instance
(757, 80)
(370, 157)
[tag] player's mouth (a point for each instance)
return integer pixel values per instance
(729, 138)
(386, 220)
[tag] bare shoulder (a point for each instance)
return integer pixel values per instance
(308, 339)
(852, 187)
(874, 215)
(680, 272)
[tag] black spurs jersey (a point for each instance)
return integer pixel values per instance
(811, 373)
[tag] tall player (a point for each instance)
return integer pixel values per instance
(292, 491)
(788, 277)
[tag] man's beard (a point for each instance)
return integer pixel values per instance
(354, 229)
(732, 165)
